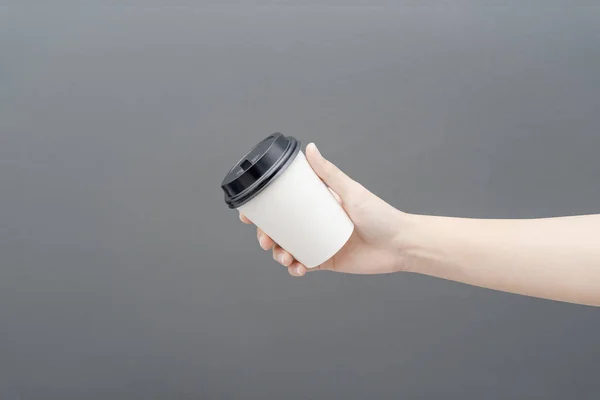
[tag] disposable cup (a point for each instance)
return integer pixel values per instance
(275, 187)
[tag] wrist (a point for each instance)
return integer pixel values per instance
(412, 242)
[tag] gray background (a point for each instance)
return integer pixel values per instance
(124, 276)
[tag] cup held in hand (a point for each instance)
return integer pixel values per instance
(275, 187)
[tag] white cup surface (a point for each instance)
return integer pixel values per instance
(301, 215)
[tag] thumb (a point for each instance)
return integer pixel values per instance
(333, 177)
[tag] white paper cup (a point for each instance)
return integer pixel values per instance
(275, 187)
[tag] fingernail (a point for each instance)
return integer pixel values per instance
(283, 258)
(298, 271)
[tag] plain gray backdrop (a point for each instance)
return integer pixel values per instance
(124, 276)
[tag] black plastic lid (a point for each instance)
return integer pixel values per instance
(261, 165)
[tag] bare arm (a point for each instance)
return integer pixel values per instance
(553, 258)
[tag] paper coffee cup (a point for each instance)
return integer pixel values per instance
(275, 187)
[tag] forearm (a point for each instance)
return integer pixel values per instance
(554, 258)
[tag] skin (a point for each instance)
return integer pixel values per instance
(552, 258)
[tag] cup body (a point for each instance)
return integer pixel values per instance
(300, 214)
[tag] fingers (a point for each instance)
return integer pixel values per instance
(281, 256)
(329, 173)
(287, 260)
(297, 269)
(265, 242)
(244, 219)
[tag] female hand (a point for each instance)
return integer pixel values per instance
(553, 258)
(373, 248)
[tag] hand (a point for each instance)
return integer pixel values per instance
(374, 247)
